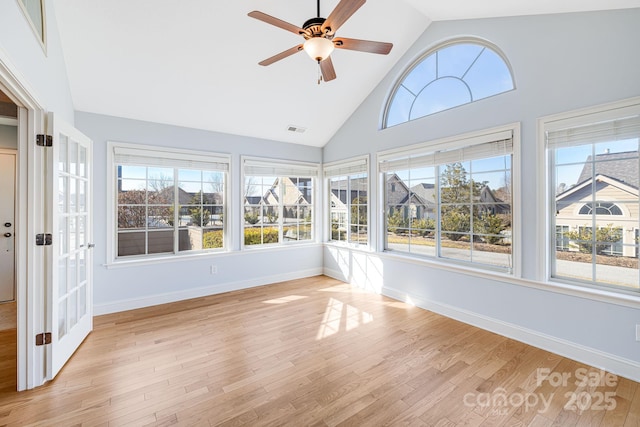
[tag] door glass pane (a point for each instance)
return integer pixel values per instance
(73, 157)
(73, 240)
(72, 284)
(62, 193)
(82, 306)
(73, 309)
(82, 162)
(62, 318)
(73, 200)
(62, 155)
(62, 277)
(81, 232)
(62, 230)
(82, 268)
(82, 196)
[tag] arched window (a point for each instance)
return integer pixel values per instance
(452, 74)
(602, 208)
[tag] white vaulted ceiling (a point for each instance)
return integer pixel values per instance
(195, 63)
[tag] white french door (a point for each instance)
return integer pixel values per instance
(69, 300)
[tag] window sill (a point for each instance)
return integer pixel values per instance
(596, 294)
(278, 246)
(161, 259)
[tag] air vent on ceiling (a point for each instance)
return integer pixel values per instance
(292, 128)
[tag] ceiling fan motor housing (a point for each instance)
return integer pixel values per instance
(313, 27)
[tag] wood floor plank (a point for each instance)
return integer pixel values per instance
(309, 352)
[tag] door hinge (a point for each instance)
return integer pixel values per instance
(44, 140)
(44, 239)
(43, 338)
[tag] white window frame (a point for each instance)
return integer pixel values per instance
(442, 46)
(348, 167)
(280, 168)
(42, 41)
(168, 154)
(567, 120)
(451, 143)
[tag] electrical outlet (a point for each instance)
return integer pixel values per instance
(213, 269)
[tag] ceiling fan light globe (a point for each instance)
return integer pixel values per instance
(318, 48)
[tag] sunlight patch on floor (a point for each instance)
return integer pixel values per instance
(284, 300)
(339, 316)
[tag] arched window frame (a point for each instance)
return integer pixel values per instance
(441, 46)
(611, 208)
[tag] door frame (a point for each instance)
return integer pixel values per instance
(29, 260)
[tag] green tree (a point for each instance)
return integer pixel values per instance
(457, 192)
(199, 215)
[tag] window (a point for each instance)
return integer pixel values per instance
(168, 202)
(452, 201)
(450, 75)
(278, 202)
(594, 157)
(562, 239)
(348, 186)
(601, 208)
(34, 12)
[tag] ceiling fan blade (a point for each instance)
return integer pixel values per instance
(328, 72)
(381, 48)
(281, 55)
(277, 22)
(340, 14)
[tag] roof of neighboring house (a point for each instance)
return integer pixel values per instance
(599, 178)
(425, 192)
(253, 200)
(622, 167)
(488, 196)
(185, 198)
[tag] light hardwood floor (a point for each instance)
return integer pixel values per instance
(309, 352)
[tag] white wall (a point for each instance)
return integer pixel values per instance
(560, 62)
(136, 286)
(44, 74)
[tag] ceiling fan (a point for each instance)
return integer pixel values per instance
(320, 40)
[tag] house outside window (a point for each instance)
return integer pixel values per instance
(278, 206)
(594, 197)
(167, 202)
(453, 200)
(348, 192)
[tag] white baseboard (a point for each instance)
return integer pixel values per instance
(335, 274)
(151, 300)
(599, 359)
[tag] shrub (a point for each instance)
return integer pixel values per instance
(604, 237)
(257, 235)
(423, 227)
(212, 239)
(251, 217)
(456, 222)
(396, 223)
(490, 224)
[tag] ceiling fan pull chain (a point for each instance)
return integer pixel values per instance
(319, 73)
